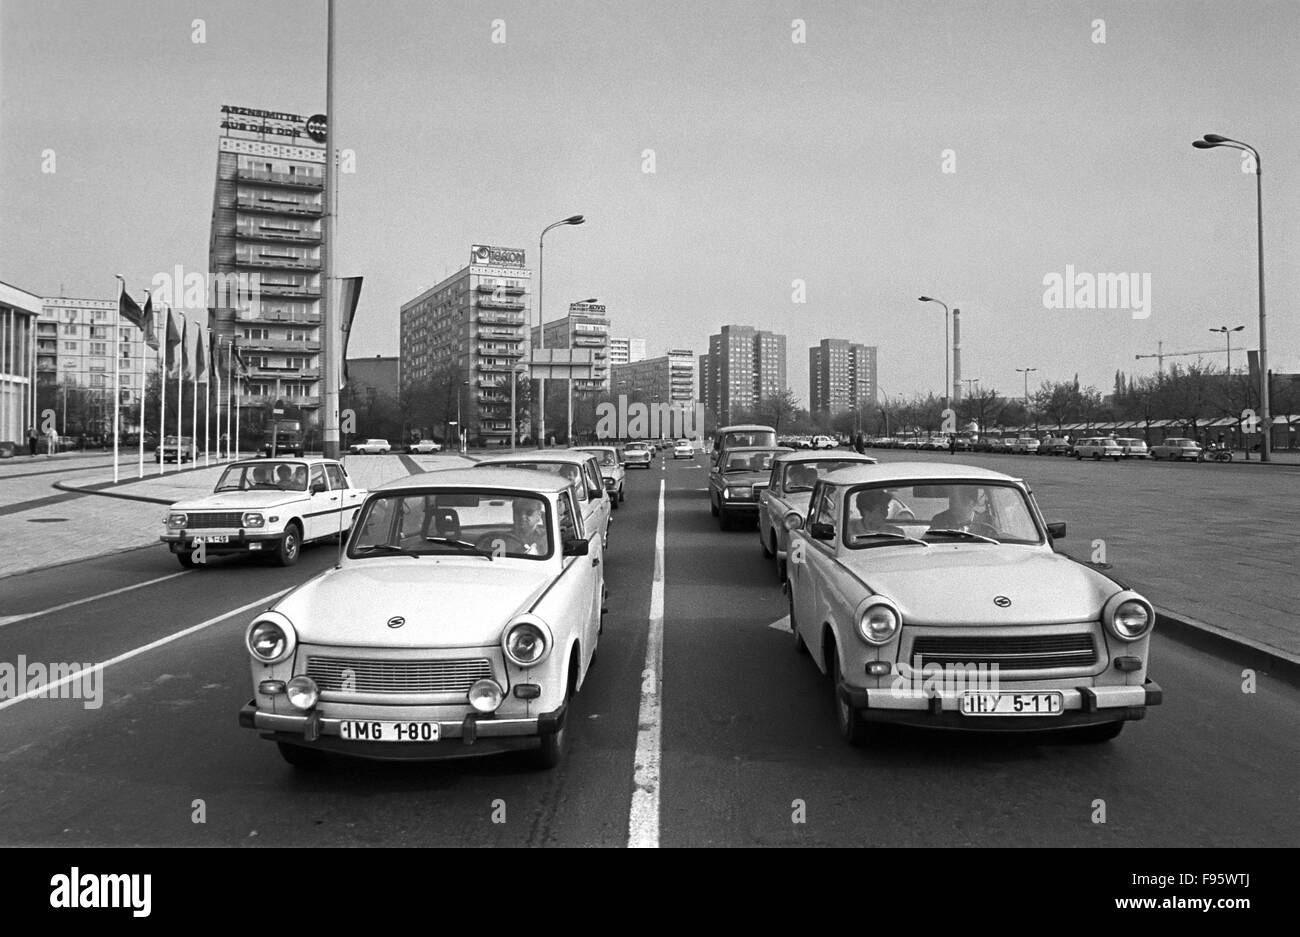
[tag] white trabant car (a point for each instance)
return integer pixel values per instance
(370, 447)
(931, 595)
(683, 449)
(581, 471)
(461, 621)
(1098, 447)
(612, 472)
(1176, 448)
(264, 507)
(789, 489)
(424, 447)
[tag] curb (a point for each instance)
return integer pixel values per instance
(1212, 639)
(80, 559)
(63, 486)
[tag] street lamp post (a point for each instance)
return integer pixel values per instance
(929, 299)
(1227, 334)
(514, 412)
(541, 322)
(1210, 141)
(1026, 372)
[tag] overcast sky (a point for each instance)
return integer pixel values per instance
(776, 161)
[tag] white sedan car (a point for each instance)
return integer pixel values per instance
(370, 447)
(683, 449)
(264, 507)
(931, 596)
(424, 447)
(461, 621)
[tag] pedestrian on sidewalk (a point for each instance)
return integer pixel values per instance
(32, 437)
(51, 442)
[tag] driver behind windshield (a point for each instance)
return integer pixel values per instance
(962, 512)
(530, 525)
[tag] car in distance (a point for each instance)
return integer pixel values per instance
(1025, 445)
(612, 472)
(1134, 448)
(1097, 448)
(637, 455)
(788, 489)
(173, 451)
(1177, 447)
(264, 507)
(424, 447)
(946, 572)
(370, 447)
(683, 449)
(824, 442)
(736, 479)
(460, 621)
(1055, 445)
(579, 469)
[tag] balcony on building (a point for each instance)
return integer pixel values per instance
(510, 304)
(275, 205)
(289, 290)
(277, 317)
(267, 231)
(500, 335)
(279, 344)
(271, 177)
(500, 318)
(271, 261)
(498, 352)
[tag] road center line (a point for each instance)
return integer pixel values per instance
(10, 619)
(643, 821)
(47, 688)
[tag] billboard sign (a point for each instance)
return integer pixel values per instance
(483, 255)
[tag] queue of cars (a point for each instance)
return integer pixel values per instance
(1116, 448)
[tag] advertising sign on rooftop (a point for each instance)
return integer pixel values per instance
(484, 255)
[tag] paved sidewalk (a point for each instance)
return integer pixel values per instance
(87, 515)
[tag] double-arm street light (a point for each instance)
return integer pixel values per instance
(1026, 372)
(541, 323)
(1210, 141)
(1227, 333)
(929, 299)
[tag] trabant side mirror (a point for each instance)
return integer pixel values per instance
(1056, 530)
(823, 531)
(576, 547)
(318, 487)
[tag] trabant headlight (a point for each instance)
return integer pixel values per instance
(303, 692)
(878, 622)
(526, 641)
(270, 638)
(177, 519)
(1128, 616)
(253, 519)
(792, 520)
(486, 695)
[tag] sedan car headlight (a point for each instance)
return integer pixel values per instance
(270, 638)
(177, 520)
(253, 519)
(526, 641)
(878, 622)
(1128, 615)
(303, 692)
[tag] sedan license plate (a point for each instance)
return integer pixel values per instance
(357, 731)
(1011, 704)
(216, 538)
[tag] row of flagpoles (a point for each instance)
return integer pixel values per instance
(210, 355)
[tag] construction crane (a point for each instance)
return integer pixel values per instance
(1161, 354)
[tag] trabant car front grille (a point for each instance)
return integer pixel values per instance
(215, 519)
(1027, 652)
(397, 676)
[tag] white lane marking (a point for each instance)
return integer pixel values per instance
(643, 821)
(782, 624)
(48, 688)
(10, 619)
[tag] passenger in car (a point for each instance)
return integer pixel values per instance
(873, 506)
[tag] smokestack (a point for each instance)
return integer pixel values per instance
(956, 354)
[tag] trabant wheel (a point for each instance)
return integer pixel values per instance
(613, 502)
(769, 549)
(553, 747)
(186, 558)
(852, 729)
(300, 756)
(621, 495)
(286, 554)
(1102, 733)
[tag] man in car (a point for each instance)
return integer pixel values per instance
(261, 475)
(530, 525)
(963, 510)
(873, 506)
(284, 476)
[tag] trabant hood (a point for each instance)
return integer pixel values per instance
(446, 601)
(956, 584)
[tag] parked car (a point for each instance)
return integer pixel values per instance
(1055, 445)
(1024, 445)
(579, 469)
(264, 507)
(476, 647)
(173, 451)
(735, 481)
(370, 447)
(683, 449)
(1177, 447)
(1133, 448)
(950, 570)
(741, 434)
(1097, 448)
(788, 489)
(824, 442)
(637, 455)
(424, 447)
(612, 472)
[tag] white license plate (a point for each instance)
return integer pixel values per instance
(357, 731)
(1011, 704)
(218, 538)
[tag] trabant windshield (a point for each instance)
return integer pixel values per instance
(939, 511)
(492, 524)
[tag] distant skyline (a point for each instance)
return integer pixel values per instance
(775, 161)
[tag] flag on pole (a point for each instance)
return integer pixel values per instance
(200, 358)
(185, 350)
(173, 339)
(240, 363)
(349, 296)
(130, 310)
(146, 315)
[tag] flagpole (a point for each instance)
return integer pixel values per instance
(215, 364)
(143, 345)
(117, 372)
(205, 341)
(162, 389)
(194, 405)
(180, 388)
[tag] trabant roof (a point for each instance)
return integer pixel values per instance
(820, 455)
(733, 450)
(306, 460)
(907, 472)
(594, 449)
(746, 427)
(499, 478)
(550, 455)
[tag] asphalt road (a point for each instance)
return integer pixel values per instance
(748, 737)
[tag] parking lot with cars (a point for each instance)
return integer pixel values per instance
(742, 729)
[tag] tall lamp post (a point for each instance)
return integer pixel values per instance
(1026, 372)
(584, 302)
(541, 326)
(1227, 334)
(929, 299)
(1210, 141)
